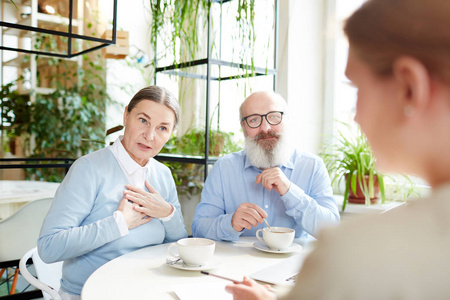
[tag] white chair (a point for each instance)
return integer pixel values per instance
(19, 233)
(48, 275)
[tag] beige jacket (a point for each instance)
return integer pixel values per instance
(403, 254)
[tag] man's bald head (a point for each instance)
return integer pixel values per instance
(259, 102)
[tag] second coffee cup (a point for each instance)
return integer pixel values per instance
(277, 238)
(193, 251)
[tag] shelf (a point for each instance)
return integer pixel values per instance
(230, 70)
(22, 2)
(359, 209)
(44, 21)
(215, 69)
(17, 62)
(38, 90)
(45, 91)
(23, 61)
(185, 158)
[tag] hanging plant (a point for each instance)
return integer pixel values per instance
(246, 34)
(180, 22)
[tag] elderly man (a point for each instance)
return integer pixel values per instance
(268, 179)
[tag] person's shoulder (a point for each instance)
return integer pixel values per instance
(367, 231)
(232, 158)
(360, 249)
(97, 159)
(93, 165)
(302, 157)
(159, 166)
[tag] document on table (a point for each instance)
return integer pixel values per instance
(203, 291)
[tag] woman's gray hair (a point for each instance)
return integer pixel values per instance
(159, 95)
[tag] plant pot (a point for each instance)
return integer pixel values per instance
(12, 145)
(359, 197)
(216, 144)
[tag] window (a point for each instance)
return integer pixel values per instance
(344, 95)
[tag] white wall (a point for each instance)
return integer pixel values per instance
(301, 76)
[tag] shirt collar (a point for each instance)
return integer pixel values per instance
(129, 164)
(288, 164)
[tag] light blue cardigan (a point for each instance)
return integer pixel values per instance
(80, 228)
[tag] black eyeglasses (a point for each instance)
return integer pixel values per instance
(272, 117)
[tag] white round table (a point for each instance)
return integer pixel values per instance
(16, 193)
(144, 274)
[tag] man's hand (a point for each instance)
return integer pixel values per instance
(274, 178)
(132, 217)
(247, 215)
(152, 203)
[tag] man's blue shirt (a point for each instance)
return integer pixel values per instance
(306, 207)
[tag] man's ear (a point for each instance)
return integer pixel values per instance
(243, 128)
(415, 83)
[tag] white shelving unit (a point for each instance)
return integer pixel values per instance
(31, 62)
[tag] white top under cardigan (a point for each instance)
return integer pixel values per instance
(136, 175)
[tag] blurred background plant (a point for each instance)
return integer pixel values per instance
(350, 161)
(62, 124)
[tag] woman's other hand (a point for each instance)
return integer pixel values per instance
(250, 290)
(133, 217)
(151, 203)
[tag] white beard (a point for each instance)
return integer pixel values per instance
(265, 159)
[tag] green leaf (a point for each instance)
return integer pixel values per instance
(353, 178)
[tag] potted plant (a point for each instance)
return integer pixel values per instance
(351, 159)
(15, 114)
(15, 108)
(61, 124)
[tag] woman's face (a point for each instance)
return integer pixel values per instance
(148, 127)
(378, 112)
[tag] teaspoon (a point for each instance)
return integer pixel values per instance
(172, 261)
(268, 226)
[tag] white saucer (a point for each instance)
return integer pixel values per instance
(180, 265)
(263, 247)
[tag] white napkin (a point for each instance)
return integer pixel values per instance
(204, 290)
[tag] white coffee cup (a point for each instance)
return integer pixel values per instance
(277, 238)
(193, 251)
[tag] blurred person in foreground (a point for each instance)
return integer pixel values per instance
(399, 59)
(118, 199)
(268, 179)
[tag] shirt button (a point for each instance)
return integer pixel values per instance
(266, 206)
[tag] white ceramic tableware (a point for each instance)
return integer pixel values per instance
(193, 252)
(277, 238)
(261, 246)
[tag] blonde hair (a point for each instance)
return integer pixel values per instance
(382, 30)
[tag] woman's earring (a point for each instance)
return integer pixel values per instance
(408, 111)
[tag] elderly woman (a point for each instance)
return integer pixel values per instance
(118, 199)
(399, 60)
